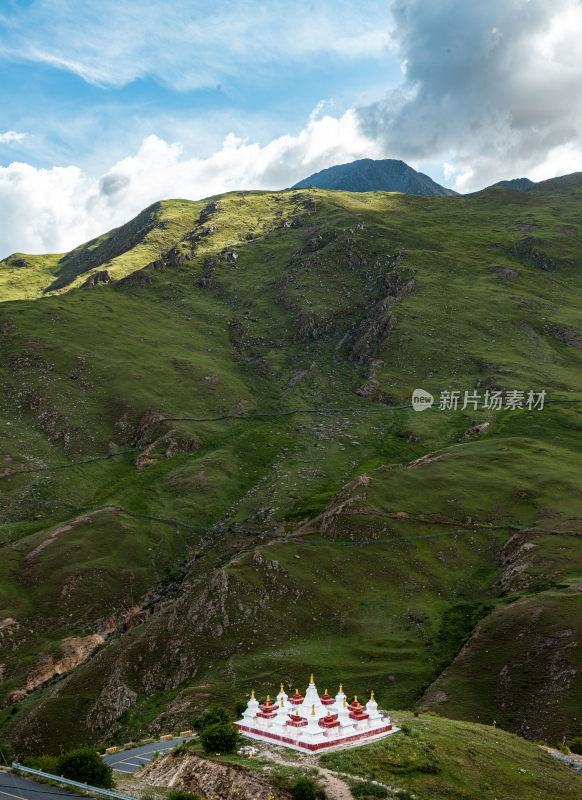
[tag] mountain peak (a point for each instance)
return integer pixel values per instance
(519, 184)
(372, 175)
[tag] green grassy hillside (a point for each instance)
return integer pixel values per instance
(438, 758)
(430, 757)
(120, 251)
(228, 421)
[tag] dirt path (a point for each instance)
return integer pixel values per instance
(335, 786)
(570, 756)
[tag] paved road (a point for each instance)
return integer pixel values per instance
(132, 760)
(13, 786)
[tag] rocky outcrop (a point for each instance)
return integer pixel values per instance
(526, 251)
(370, 389)
(347, 501)
(76, 650)
(476, 429)
(115, 695)
(374, 330)
(515, 558)
(206, 278)
(504, 274)
(229, 254)
(168, 445)
(102, 276)
(571, 336)
(212, 780)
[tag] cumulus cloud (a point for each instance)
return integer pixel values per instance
(11, 137)
(188, 45)
(53, 210)
(491, 89)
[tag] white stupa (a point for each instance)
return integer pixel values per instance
(313, 722)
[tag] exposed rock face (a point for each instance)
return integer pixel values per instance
(476, 429)
(76, 650)
(154, 442)
(526, 251)
(208, 211)
(206, 278)
(552, 656)
(115, 695)
(541, 662)
(370, 389)
(210, 779)
(571, 336)
(345, 502)
(504, 274)
(229, 254)
(515, 558)
(374, 330)
(171, 444)
(103, 276)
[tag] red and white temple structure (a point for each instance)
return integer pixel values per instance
(314, 723)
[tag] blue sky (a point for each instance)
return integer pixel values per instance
(107, 106)
(85, 85)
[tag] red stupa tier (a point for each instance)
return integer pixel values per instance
(330, 721)
(326, 699)
(297, 699)
(296, 721)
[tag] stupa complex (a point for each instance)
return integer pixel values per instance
(314, 722)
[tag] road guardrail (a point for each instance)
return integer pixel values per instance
(69, 782)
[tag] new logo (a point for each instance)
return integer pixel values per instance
(421, 400)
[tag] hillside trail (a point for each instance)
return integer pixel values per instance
(335, 787)
(573, 757)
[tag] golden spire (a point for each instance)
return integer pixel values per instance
(344, 702)
(282, 690)
(282, 702)
(355, 698)
(297, 713)
(313, 710)
(328, 714)
(311, 679)
(326, 691)
(341, 687)
(252, 694)
(372, 695)
(268, 697)
(296, 690)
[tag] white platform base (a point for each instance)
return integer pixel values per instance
(354, 739)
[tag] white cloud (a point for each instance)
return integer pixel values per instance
(10, 137)
(492, 88)
(53, 210)
(189, 45)
(448, 170)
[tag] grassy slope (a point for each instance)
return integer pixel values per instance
(439, 758)
(274, 330)
(431, 756)
(121, 251)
